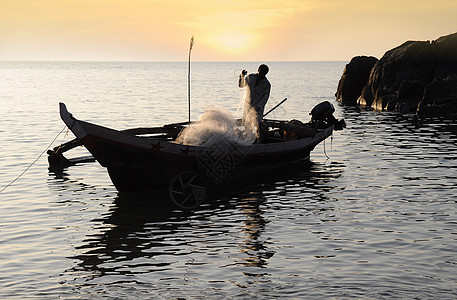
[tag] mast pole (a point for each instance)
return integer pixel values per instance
(188, 75)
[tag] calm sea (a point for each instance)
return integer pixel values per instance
(376, 219)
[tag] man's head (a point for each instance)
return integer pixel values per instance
(263, 70)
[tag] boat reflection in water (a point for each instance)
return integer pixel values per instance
(145, 243)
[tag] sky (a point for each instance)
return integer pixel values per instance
(224, 30)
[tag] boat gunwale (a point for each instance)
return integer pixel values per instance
(150, 144)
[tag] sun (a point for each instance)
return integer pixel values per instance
(233, 43)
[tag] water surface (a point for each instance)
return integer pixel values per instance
(376, 219)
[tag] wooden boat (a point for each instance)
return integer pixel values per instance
(147, 158)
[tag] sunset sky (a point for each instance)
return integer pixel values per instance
(228, 30)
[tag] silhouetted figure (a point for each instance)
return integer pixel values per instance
(257, 94)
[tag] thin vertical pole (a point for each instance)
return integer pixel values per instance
(188, 75)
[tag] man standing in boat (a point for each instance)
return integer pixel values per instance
(257, 93)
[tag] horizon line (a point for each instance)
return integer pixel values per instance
(166, 61)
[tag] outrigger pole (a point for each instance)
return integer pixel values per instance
(188, 75)
(276, 106)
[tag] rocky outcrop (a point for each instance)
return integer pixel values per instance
(415, 72)
(355, 77)
(440, 97)
(408, 94)
(408, 62)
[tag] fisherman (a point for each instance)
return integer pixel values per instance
(257, 93)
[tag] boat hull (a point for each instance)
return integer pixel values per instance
(137, 163)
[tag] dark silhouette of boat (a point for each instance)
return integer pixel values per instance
(147, 158)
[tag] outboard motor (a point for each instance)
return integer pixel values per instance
(323, 112)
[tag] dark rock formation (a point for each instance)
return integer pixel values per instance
(408, 94)
(415, 72)
(354, 78)
(440, 97)
(410, 61)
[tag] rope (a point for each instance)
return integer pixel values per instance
(26, 169)
(63, 139)
(325, 152)
(331, 145)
